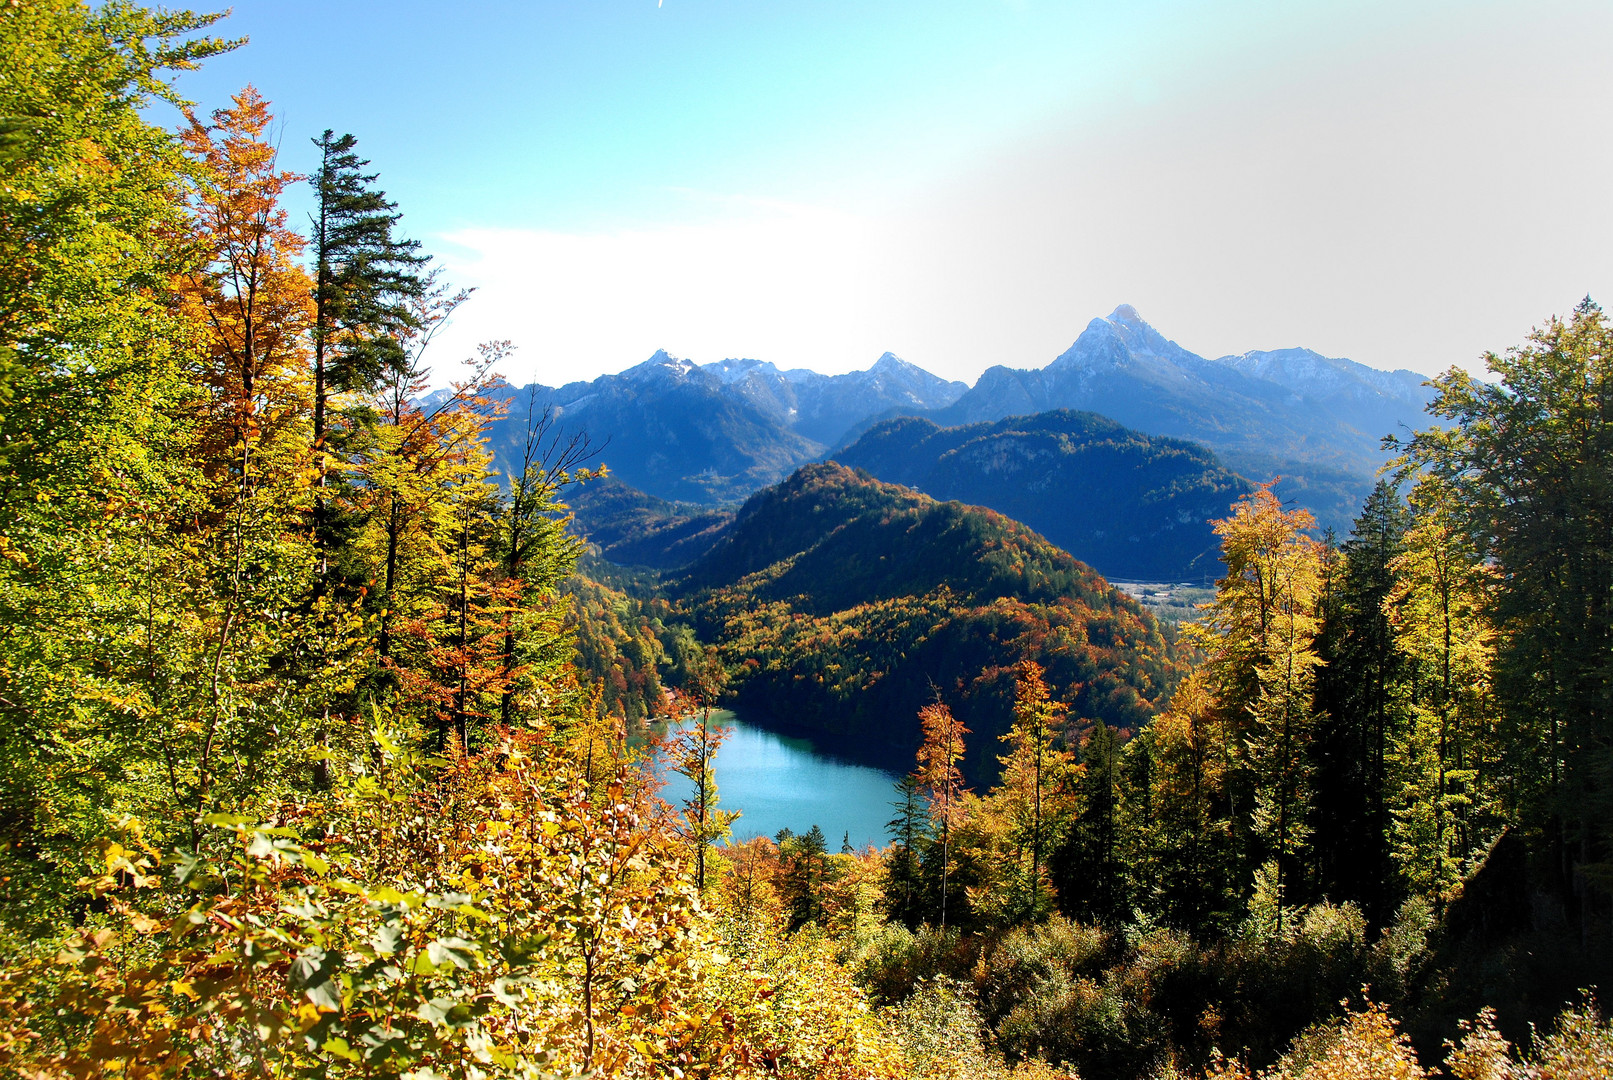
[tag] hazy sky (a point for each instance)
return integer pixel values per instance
(812, 183)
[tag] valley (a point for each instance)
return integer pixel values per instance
(1127, 714)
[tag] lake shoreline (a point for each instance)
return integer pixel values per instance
(778, 780)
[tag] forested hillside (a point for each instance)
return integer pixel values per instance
(842, 605)
(317, 759)
(1130, 505)
(631, 528)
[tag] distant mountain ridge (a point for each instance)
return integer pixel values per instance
(1318, 421)
(713, 433)
(1130, 505)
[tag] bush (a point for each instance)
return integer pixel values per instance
(891, 962)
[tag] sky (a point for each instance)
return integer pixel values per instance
(964, 184)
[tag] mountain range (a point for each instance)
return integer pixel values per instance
(713, 433)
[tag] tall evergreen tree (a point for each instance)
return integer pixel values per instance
(1090, 874)
(365, 276)
(909, 832)
(1356, 694)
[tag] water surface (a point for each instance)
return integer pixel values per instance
(779, 782)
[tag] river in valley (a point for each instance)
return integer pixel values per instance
(779, 782)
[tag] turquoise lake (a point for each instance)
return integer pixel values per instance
(778, 782)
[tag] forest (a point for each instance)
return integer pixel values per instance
(319, 757)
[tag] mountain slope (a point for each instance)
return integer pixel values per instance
(1317, 421)
(715, 433)
(845, 603)
(634, 529)
(1130, 505)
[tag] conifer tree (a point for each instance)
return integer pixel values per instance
(364, 279)
(1360, 695)
(1091, 876)
(908, 832)
(805, 861)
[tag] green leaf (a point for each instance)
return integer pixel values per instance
(387, 939)
(525, 951)
(313, 972)
(449, 900)
(452, 950)
(339, 1047)
(187, 865)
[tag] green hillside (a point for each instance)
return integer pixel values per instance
(631, 528)
(1134, 506)
(842, 604)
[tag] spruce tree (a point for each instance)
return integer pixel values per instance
(1087, 868)
(365, 274)
(1357, 691)
(909, 832)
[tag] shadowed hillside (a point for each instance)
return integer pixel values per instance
(1131, 505)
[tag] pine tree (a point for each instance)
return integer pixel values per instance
(1091, 877)
(909, 833)
(805, 860)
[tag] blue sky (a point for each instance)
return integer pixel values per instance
(967, 183)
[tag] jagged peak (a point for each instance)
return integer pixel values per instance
(677, 366)
(733, 369)
(1114, 339)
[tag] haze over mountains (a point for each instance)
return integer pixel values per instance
(714, 433)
